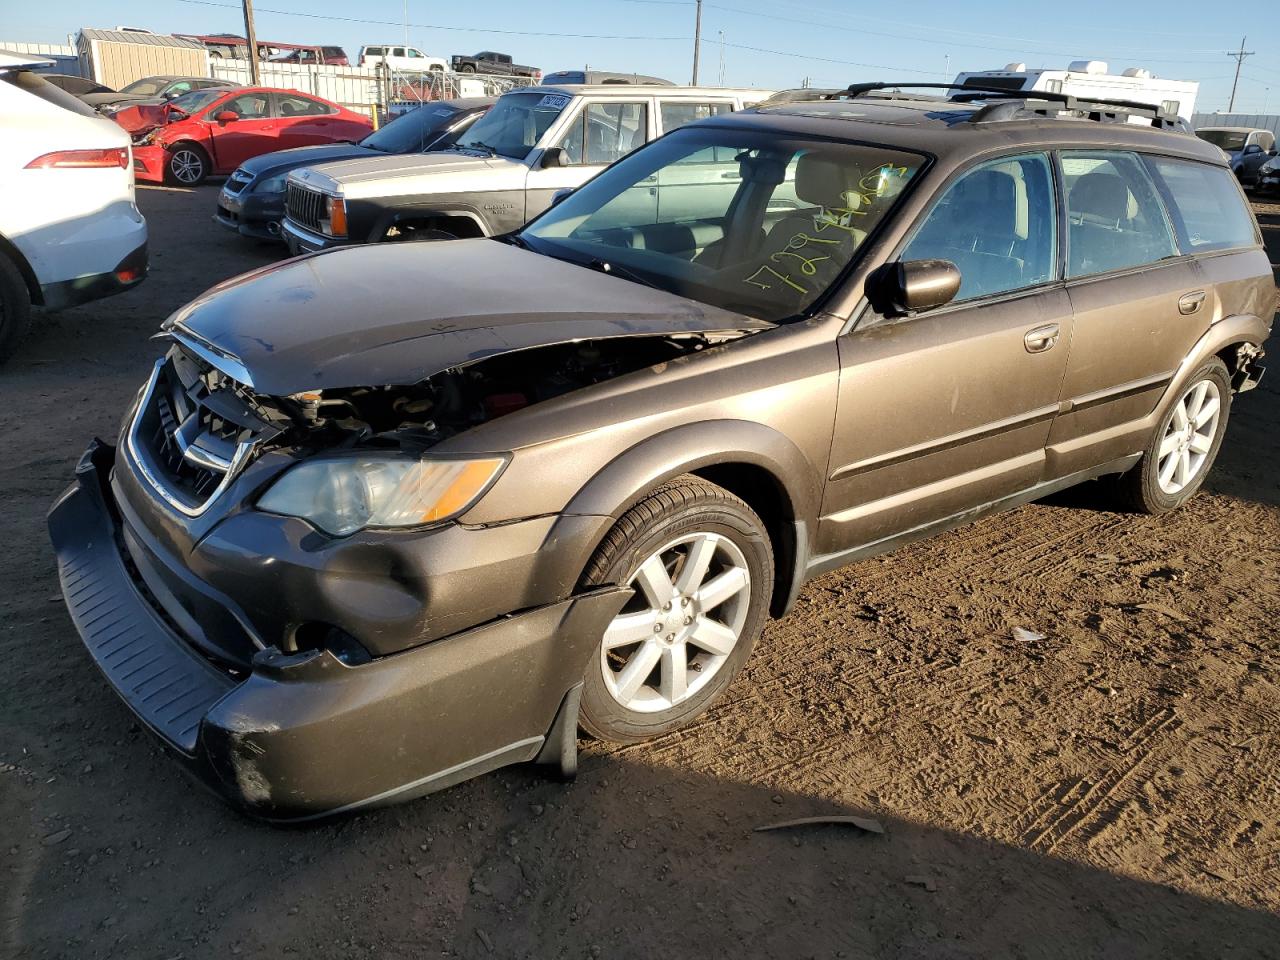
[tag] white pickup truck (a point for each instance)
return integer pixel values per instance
(532, 144)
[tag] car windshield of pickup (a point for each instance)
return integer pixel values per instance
(757, 223)
(515, 124)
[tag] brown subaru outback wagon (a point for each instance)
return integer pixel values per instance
(385, 518)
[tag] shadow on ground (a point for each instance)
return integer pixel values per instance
(514, 866)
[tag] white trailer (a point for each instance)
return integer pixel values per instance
(1090, 79)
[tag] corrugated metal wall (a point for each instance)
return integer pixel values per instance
(1262, 121)
(117, 64)
(64, 55)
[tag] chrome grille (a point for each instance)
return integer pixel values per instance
(304, 206)
(191, 434)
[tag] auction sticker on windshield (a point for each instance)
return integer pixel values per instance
(553, 100)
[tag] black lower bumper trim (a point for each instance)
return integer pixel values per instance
(168, 686)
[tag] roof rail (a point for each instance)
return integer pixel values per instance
(1015, 104)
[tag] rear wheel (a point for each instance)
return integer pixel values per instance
(700, 563)
(15, 308)
(188, 165)
(1184, 445)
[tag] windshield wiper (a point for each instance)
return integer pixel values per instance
(479, 145)
(604, 266)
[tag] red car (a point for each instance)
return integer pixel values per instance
(213, 131)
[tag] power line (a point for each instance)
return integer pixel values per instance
(846, 63)
(436, 26)
(1239, 57)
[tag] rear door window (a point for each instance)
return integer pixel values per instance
(1206, 205)
(292, 105)
(997, 224)
(676, 113)
(1115, 217)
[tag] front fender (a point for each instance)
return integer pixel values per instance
(400, 214)
(722, 444)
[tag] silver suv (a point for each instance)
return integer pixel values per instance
(534, 143)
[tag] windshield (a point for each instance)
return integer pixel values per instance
(751, 222)
(515, 124)
(146, 87)
(1224, 139)
(195, 101)
(415, 131)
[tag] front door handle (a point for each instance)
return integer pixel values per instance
(1189, 303)
(1040, 339)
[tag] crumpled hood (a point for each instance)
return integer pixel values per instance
(394, 314)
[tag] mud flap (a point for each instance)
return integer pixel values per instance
(560, 750)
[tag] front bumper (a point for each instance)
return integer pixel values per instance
(251, 214)
(149, 163)
(302, 736)
(301, 240)
(1268, 183)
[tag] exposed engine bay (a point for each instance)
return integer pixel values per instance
(423, 414)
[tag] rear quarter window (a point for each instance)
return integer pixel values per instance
(1209, 211)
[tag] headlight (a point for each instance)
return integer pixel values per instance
(272, 184)
(334, 222)
(341, 495)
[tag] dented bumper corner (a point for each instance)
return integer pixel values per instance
(303, 736)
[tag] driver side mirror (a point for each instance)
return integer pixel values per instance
(914, 286)
(227, 116)
(1252, 148)
(553, 157)
(560, 195)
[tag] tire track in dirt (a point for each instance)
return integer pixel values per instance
(1068, 807)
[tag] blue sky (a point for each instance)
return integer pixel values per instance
(767, 43)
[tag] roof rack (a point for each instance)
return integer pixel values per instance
(1018, 104)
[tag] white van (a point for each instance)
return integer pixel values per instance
(402, 59)
(1090, 79)
(70, 231)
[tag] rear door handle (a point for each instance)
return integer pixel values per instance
(1189, 303)
(1040, 339)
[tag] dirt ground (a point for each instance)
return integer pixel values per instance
(1110, 789)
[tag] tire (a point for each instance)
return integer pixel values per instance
(15, 308)
(1161, 482)
(633, 689)
(467, 68)
(429, 235)
(187, 165)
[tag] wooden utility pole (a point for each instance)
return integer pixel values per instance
(1239, 56)
(252, 36)
(697, 41)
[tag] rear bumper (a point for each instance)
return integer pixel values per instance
(251, 215)
(302, 736)
(128, 273)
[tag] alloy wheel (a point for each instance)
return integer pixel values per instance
(1188, 438)
(677, 632)
(187, 167)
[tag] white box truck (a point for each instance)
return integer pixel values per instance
(1089, 78)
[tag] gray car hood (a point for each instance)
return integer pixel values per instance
(394, 314)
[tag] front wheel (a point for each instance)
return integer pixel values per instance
(1185, 443)
(188, 165)
(701, 565)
